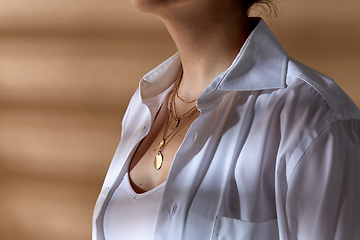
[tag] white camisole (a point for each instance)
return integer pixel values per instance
(130, 215)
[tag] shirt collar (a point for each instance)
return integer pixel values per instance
(261, 64)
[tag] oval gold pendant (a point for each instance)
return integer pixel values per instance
(175, 123)
(158, 161)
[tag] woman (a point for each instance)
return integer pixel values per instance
(230, 138)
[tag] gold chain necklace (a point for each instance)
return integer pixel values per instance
(183, 100)
(177, 88)
(172, 107)
(159, 158)
(178, 119)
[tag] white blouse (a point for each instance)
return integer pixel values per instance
(274, 154)
(130, 215)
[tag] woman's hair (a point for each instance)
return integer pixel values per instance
(247, 4)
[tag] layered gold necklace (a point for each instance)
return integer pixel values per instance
(177, 123)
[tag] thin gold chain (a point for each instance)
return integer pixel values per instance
(177, 88)
(172, 108)
(171, 103)
(183, 100)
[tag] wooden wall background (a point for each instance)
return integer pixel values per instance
(67, 72)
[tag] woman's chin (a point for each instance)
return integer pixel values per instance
(149, 6)
(159, 6)
(141, 5)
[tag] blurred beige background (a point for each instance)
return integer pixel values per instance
(67, 72)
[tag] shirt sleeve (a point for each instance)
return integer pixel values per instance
(323, 197)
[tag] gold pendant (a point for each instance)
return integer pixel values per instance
(158, 161)
(161, 144)
(175, 123)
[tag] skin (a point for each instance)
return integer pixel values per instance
(208, 35)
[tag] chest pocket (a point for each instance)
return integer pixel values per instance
(235, 229)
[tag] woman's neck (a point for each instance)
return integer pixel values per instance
(208, 41)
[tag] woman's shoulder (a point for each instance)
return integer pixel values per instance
(308, 84)
(309, 103)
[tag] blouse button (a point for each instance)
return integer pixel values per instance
(173, 209)
(142, 129)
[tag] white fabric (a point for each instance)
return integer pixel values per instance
(274, 154)
(130, 215)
